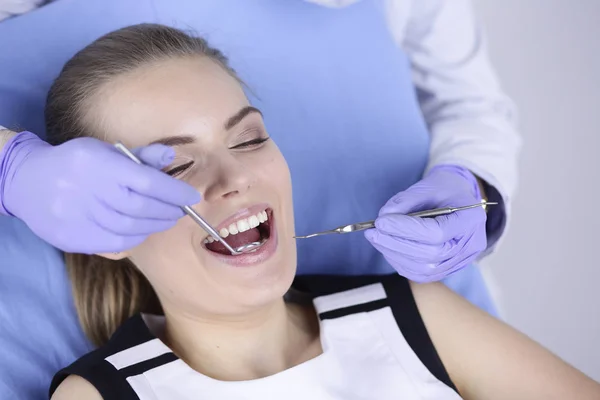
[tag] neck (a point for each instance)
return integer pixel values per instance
(249, 346)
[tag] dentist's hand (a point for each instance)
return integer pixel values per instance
(429, 249)
(85, 197)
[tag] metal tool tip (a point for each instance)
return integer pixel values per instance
(304, 237)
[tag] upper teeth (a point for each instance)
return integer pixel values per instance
(241, 225)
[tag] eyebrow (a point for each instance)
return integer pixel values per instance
(175, 141)
(182, 140)
(240, 115)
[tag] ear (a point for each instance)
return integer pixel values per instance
(114, 256)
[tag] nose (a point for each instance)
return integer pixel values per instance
(226, 178)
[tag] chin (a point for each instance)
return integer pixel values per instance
(270, 280)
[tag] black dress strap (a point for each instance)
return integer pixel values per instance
(110, 381)
(101, 374)
(409, 320)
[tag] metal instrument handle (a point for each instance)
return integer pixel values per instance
(360, 226)
(186, 209)
(432, 213)
(436, 212)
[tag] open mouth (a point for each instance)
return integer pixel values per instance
(255, 228)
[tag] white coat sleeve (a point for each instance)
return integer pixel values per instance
(471, 121)
(10, 8)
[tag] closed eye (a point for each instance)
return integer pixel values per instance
(175, 171)
(250, 143)
(179, 169)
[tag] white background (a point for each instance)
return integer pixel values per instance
(546, 275)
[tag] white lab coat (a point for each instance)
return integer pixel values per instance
(471, 121)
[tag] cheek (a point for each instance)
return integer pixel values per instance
(165, 243)
(165, 257)
(276, 176)
(275, 171)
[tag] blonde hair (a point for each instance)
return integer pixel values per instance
(108, 292)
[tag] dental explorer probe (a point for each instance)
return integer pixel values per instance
(361, 226)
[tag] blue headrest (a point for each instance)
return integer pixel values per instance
(39, 329)
(34, 50)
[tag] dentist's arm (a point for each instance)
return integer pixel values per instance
(11, 8)
(471, 120)
(83, 196)
(474, 144)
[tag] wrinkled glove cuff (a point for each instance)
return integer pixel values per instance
(9, 156)
(463, 172)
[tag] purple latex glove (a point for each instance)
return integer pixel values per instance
(85, 197)
(429, 249)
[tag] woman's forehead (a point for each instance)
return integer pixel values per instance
(184, 95)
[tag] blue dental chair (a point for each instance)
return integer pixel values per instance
(332, 90)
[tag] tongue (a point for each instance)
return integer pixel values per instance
(235, 241)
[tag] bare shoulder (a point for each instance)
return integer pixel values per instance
(76, 388)
(486, 358)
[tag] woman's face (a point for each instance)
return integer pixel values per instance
(199, 109)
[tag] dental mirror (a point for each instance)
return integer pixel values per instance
(249, 247)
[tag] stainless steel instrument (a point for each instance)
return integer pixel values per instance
(361, 226)
(194, 215)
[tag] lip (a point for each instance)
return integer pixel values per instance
(258, 256)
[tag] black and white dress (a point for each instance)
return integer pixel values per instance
(375, 346)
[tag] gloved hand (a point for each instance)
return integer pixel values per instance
(85, 197)
(429, 249)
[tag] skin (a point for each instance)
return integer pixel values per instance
(5, 136)
(194, 97)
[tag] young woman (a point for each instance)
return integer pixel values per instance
(178, 318)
